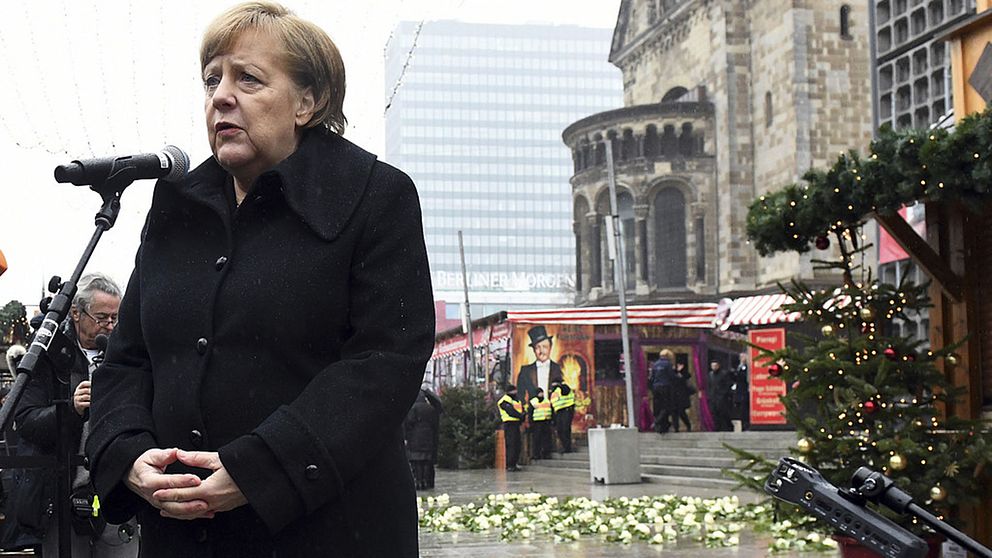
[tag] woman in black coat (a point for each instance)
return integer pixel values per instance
(276, 326)
(421, 429)
(682, 392)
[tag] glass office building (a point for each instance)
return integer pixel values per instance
(475, 115)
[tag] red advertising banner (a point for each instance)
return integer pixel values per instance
(766, 407)
(569, 348)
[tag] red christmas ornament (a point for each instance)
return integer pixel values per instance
(865, 329)
(775, 370)
(890, 353)
(822, 242)
(911, 357)
(870, 407)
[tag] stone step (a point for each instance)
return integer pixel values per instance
(726, 436)
(703, 453)
(696, 482)
(685, 459)
(682, 471)
(662, 443)
(713, 462)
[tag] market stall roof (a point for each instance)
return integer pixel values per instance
(702, 315)
(759, 310)
(482, 336)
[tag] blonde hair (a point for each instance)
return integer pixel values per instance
(312, 58)
(667, 353)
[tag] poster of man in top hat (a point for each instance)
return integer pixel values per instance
(543, 371)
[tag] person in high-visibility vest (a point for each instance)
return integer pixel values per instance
(541, 414)
(563, 406)
(511, 412)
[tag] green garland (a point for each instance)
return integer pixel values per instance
(902, 168)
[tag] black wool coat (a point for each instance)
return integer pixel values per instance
(421, 428)
(291, 336)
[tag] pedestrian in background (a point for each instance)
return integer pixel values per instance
(421, 431)
(719, 396)
(541, 414)
(682, 392)
(563, 407)
(662, 378)
(93, 313)
(511, 413)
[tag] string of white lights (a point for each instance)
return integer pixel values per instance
(196, 116)
(108, 110)
(76, 94)
(21, 107)
(134, 72)
(406, 64)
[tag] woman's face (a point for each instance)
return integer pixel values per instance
(254, 109)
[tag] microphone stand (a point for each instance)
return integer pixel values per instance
(48, 337)
(882, 490)
(847, 512)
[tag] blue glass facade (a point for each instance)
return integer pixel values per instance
(476, 121)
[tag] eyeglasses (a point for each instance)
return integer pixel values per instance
(102, 320)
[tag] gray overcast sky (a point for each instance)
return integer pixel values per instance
(93, 78)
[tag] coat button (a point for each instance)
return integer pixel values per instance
(196, 438)
(201, 345)
(313, 472)
(219, 264)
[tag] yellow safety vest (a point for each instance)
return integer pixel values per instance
(559, 401)
(542, 409)
(517, 406)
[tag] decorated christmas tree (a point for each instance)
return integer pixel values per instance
(13, 324)
(859, 395)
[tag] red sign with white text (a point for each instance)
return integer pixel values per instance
(766, 407)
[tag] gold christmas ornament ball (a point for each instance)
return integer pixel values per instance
(938, 494)
(827, 330)
(897, 462)
(952, 360)
(805, 445)
(867, 314)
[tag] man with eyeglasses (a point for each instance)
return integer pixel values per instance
(93, 313)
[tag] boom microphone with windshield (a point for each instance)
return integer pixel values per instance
(170, 165)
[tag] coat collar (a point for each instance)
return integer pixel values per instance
(322, 181)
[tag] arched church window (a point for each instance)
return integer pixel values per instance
(669, 238)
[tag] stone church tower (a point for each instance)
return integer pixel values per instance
(723, 100)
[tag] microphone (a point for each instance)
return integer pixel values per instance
(101, 342)
(170, 165)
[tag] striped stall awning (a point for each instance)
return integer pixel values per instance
(481, 337)
(759, 310)
(680, 315)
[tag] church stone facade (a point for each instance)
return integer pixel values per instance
(723, 100)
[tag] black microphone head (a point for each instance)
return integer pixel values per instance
(180, 163)
(101, 342)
